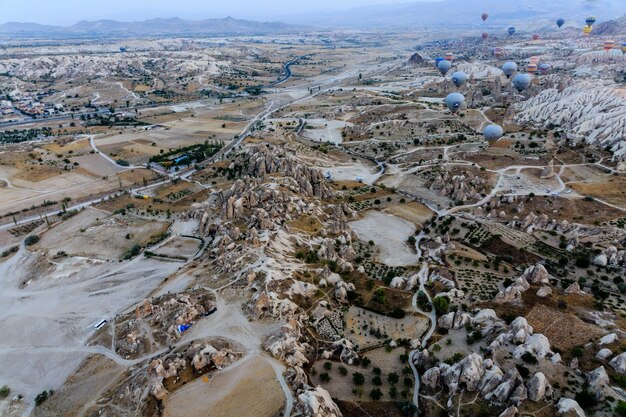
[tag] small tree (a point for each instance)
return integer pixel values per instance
(324, 377)
(365, 362)
(358, 378)
(4, 391)
(393, 378)
(328, 366)
(376, 394)
(441, 305)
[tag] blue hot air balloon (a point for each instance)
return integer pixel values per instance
(509, 68)
(545, 68)
(590, 20)
(511, 31)
(459, 78)
(454, 101)
(438, 60)
(444, 66)
(493, 133)
(521, 82)
(560, 22)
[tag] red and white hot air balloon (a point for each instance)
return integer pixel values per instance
(449, 56)
(609, 45)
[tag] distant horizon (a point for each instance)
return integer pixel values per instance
(70, 12)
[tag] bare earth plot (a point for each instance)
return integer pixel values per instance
(247, 388)
(390, 233)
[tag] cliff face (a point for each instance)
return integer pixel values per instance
(590, 111)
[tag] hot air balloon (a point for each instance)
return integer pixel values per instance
(485, 35)
(449, 56)
(586, 30)
(444, 66)
(484, 16)
(545, 68)
(536, 37)
(590, 20)
(521, 82)
(459, 78)
(498, 52)
(454, 101)
(560, 22)
(531, 68)
(438, 60)
(511, 31)
(608, 45)
(624, 48)
(493, 132)
(533, 60)
(509, 68)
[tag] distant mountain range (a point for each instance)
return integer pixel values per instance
(152, 27)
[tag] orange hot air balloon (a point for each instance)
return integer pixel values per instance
(608, 45)
(531, 68)
(485, 35)
(586, 30)
(449, 56)
(536, 37)
(484, 16)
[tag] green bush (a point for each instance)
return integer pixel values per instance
(31, 240)
(4, 391)
(358, 378)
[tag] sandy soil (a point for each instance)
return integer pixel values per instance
(93, 234)
(350, 172)
(247, 388)
(390, 233)
(45, 324)
(324, 130)
(179, 247)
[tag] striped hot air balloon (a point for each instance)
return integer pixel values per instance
(533, 60)
(499, 52)
(485, 35)
(449, 56)
(590, 20)
(536, 37)
(484, 16)
(609, 45)
(586, 30)
(531, 68)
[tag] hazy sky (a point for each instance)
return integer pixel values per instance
(67, 12)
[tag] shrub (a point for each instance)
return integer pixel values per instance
(529, 358)
(4, 391)
(342, 370)
(31, 240)
(328, 366)
(376, 394)
(358, 378)
(42, 396)
(377, 381)
(365, 362)
(393, 378)
(441, 305)
(324, 377)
